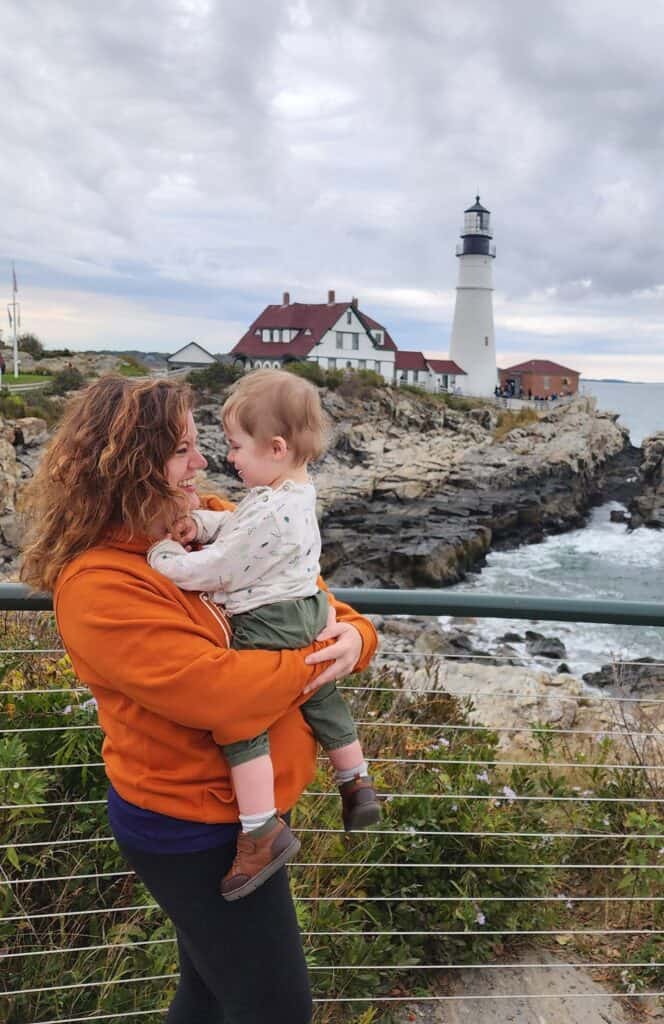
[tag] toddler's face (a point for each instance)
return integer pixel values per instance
(254, 461)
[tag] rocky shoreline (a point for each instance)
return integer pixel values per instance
(508, 690)
(413, 492)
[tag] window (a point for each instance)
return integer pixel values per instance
(340, 339)
(355, 341)
(272, 335)
(378, 337)
(445, 381)
(546, 383)
(564, 380)
(486, 341)
(332, 364)
(276, 365)
(377, 365)
(349, 317)
(362, 364)
(349, 365)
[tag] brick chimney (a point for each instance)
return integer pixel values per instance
(286, 299)
(330, 298)
(353, 302)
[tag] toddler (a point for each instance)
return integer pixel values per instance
(262, 563)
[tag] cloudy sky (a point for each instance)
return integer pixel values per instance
(171, 166)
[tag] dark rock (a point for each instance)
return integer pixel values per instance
(644, 676)
(511, 638)
(563, 669)
(618, 515)
(546, 647)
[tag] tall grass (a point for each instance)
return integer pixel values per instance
(339, 889)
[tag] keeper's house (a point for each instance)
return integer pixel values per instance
(540, 378)
(336, 335)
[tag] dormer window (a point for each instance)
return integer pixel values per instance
(308, 332)
(257, 332)
(378, 337)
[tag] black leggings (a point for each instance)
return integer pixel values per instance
(241, 962)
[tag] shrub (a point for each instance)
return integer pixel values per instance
(215, 377)
(316, 374)
(509, 420)
(69, 379)
(30, 343)
(376, 884)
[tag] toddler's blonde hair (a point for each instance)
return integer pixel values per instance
(275, 403)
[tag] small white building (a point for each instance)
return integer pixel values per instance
(473, 345)
(193, 356)
(435, 375)
(336, 335)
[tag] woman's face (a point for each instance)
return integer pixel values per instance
(185, 462)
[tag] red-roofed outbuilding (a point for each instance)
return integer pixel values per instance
(540, 378)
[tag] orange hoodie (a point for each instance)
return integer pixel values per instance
(169, 689)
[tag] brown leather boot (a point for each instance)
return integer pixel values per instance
(360, 803)
(257, 858)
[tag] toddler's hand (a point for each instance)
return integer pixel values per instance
(184, 530)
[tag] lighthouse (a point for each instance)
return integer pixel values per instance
(472, 345)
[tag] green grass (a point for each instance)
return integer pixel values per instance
(9, 379)
(133, 369)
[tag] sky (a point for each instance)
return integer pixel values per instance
(170, 167)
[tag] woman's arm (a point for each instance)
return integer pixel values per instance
(127, 635)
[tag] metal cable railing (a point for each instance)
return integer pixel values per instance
(595, 850)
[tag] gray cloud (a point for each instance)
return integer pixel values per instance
(245, 148)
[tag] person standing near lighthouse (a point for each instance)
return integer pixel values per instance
(473, 343)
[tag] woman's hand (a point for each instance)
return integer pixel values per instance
(344, 654)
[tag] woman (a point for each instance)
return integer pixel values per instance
(169, 690)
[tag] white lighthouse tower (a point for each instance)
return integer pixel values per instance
(472, 345)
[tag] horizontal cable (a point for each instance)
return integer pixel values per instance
(32, 650)
(490, 797)
(52, 767)
(465, 865)
(413, 725)
(625, 836)
(88, 984)
(51, 728)
(493, 995)
(420, 691)
(387, 999)
(589, 965)
(496, 693)
(433, 763)
(519, 728)
(498, 763)
(356, 933)
(57, 842)
(561, 898)
(59, 689)
(501, 797)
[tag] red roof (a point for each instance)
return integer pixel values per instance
(410, 361)
(318, 318)
(445, 366)
(539, 366)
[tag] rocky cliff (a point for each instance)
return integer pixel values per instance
(647, 508)
(414, 493)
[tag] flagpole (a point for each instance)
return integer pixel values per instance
(15, 339)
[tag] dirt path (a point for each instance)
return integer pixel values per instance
(561, 983)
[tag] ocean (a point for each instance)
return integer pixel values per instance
(600, 560)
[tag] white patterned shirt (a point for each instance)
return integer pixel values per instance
(267, 550)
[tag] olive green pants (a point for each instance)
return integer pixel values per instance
(287, 625)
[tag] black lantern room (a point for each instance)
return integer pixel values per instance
(476, 232)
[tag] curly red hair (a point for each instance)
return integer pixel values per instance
(104, 466)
